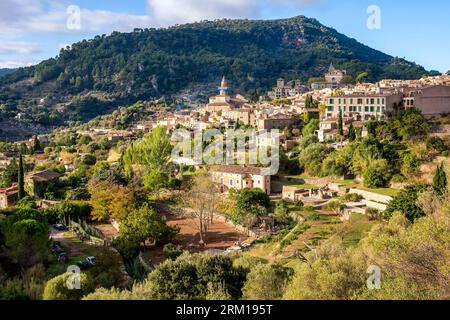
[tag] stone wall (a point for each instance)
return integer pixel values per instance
(371, 196)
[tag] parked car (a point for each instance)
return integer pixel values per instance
(59, 227)
(63, 257)
(91, 260)
(84, 264)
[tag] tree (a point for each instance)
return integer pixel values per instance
(340, 124)
(146, 225)
(250, 204)
(311, 127)
(405, 202)
(200, 203)
(156, 180)
(267, 282)
(25, 241)
(20, 179)
(9, 174)
(351, 133)
(58, 288)
(190, 276)
(153, 152)
(377, 174)
(309, 103)
(339, 162)
(361, 77)
(110, 201)
(311, 158)
(36, 144)
(440, 180)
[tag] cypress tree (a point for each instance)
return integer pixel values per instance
(340, 124)
(440, 180)
(351, 133)
(20, 179)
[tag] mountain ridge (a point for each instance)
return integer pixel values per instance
(151, 63)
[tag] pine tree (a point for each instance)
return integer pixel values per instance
(440, 180)
(20, 179)
(340, 124)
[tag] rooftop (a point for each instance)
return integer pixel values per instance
(44, 176)
(238, 169)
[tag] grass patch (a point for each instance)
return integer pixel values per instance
(356, 229)
(293, 235)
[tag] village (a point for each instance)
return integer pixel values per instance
(344, 159)
(339, 109)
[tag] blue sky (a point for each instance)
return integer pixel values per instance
(33, 30)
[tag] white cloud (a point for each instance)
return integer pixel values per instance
(166, 12)
(20, 47)
(15, 64)
(21, 17)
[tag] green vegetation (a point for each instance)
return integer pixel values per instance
(161, 62)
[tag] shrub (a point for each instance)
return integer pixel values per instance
(267, 282)
(58, 288)
(352, 197)
(373, 214)
(170, 251)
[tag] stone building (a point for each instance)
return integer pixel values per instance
(431, 101)
(239, 177)
(8, 196)
(360, 106)
(286, 90)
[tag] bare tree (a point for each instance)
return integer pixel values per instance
(200, 203)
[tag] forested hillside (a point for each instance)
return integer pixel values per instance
(123, 68)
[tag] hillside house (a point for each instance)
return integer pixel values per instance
(37, 184)
(239, 177)
(8, 196)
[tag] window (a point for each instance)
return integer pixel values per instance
(359, 108)
(366, 109)
(378, 101)
(331, 101)
(345, 108)
(360, 101)
(372, 101)
(339, 101)
(378, 109)
(330, 108)
(372, 109)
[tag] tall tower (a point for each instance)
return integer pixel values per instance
(223, 89)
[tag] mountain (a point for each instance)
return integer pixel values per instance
(5, 71)
(95, 76)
